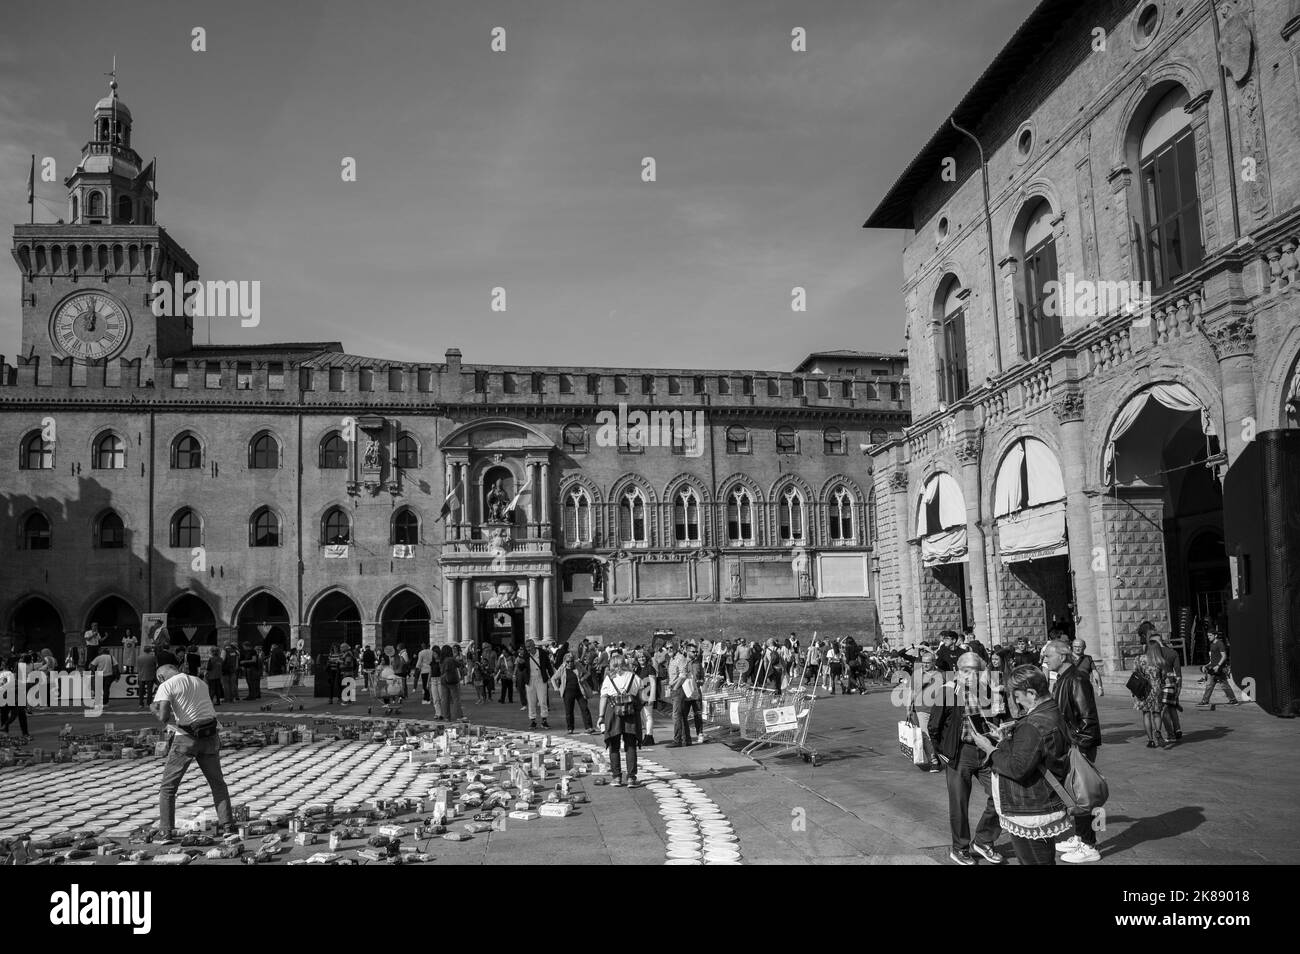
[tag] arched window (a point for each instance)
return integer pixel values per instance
(740, 517)
(737, 439)
(408, 452)
(833, 441)
(879, 435)
(786, 441)
(264, 451)
(406, 527)
(631, 516)
(124, 209)
(75, 208)
(187, 452)
(950, 313)
(686, 516)
(790, 515)
(840, 515)
(95, 204)
(336, 528)
(110, 534)
(575, 438)
(333, 452)
(1171, 214)
(264, 528)
(36, 531)
(577, 517)
(187, 529)
(37, 453)
(1038, 312)
(110, 452)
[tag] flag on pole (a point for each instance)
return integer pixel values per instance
(515, 502)
(146, 175)
(31, 189)
(451, 503)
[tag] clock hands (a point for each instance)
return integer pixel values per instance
(90, 322)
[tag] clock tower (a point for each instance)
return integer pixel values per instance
(86, 281)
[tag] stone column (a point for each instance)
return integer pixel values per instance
(451, 610)
(548, 606)
(1078, 520)
(906, 586)
(534, 627)
(1119, 179)
(466, 611)
(969, 453)
(545, 491)
(1234, 346)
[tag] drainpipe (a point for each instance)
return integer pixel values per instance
(988, 230)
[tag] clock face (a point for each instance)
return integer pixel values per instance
(90, 325)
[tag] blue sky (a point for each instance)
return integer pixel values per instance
(519, 169)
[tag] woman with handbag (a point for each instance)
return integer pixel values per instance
(1147, 686)
(620, 717)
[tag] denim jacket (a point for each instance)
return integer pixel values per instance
(1036, 743)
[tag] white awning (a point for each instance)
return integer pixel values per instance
(952, 506)
(948, 546)
(1030, 462)
(1032, 534)
(1175, 396)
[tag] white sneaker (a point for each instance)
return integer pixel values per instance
(1070, 844)
(1082, 855)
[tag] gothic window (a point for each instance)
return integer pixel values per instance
(951, 315)
(1171, 217)
(631, 517)
(187, 452)
(840, 515)
(186, 529)
(406, 527)
(740, 517)
(36, 532)
(577, 517)
(791, 516)
(335, 527)
(333, 452)
(264, 452)
(686, 516)
(264, 528)
(110, 452)
(787, 442)
(37, 453)
(408, 452)
(1038, 313)
(110, 534)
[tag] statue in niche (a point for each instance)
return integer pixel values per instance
(498, 502)
(371, 459)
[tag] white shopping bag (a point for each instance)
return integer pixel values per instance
(911, 741)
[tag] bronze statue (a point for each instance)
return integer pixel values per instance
(497, 503)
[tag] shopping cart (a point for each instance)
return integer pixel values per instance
(781, 720)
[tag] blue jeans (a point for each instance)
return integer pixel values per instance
(185, 750)
(961, 775)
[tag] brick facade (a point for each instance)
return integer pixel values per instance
(1061, 122)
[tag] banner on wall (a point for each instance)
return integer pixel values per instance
(151, 625)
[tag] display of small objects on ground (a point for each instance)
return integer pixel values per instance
(374, 791)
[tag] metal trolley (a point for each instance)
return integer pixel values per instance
(782, 720)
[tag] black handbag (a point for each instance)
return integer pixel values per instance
(1138, 684)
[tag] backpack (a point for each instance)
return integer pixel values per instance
(450, 673)
(1085, 788)
(623, 702)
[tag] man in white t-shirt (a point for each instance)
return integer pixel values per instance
(92, 638)
(195, 739)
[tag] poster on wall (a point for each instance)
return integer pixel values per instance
(151, 625)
